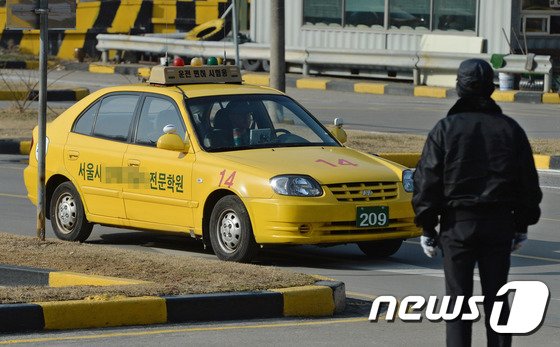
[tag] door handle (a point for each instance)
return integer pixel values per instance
(134, 163)
(73, 155)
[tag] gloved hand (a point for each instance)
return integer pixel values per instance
(429, 245)
(518, 241)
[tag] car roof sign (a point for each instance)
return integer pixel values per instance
(174, 75)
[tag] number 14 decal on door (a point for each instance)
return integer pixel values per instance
(229, 180)
(341, 162)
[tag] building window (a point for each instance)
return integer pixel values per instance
(540, 17)
(540, 5)
(409, 14)
(364, 13)
(455, 15)
(440, 15)
(555, 24)
(322, 12)
(535, 25)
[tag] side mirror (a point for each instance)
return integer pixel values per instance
(338, 132)
(171, 141)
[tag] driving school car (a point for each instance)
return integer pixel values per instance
(169, 155)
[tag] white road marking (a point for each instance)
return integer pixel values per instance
(549, 171)
(416, 270)
(13, 196)
(550, 187)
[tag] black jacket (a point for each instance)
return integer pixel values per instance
(476, 159)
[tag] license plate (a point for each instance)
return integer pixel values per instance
(372, 216)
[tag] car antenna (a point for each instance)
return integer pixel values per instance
(223, 17)
(165, 35)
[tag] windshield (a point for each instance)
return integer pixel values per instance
(233, 122)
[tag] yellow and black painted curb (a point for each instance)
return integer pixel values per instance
(324, 298)
(24, 64)
(72, 94)
(402, 89)
(542, 162)
(142, 71)
(19, 64)
(13, 146)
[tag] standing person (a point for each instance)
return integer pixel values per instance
(477, 175)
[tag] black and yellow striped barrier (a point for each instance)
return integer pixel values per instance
(115, 17)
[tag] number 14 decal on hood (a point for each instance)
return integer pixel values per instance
(341, 162)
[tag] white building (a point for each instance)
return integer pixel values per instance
(399, 25)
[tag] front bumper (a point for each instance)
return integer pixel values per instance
(316, 221)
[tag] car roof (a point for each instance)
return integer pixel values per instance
(195, 90)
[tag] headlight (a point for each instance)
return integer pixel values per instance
(295, 185)
(407, 180)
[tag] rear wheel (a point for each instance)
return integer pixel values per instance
(231, 233)
(380, 249)
(67, 214)
(251, 65)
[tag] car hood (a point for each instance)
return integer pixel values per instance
(327, 165)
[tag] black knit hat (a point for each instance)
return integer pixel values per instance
(475, 77)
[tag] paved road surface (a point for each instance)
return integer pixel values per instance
(407, 272)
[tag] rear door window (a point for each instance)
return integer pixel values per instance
(115, 116)
(84, 124)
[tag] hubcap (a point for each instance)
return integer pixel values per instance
(229, 231)
(66, 213)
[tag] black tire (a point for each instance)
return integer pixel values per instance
(380, 249)
(67, 215)
(231, 233)
(251, 65)
(266, 65)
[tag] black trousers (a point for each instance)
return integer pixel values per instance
(484, 242)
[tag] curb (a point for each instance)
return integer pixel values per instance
(321, 83)
(542, 162)
(23, 64)
(325, 298)
(141, 71)
(73, 94)
(12, 146)
(332, 84)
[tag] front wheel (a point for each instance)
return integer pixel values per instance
(67, 214)
(380, 249)
(231, 233)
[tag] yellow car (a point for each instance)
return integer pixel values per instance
(194, 151)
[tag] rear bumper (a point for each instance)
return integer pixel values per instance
(30, 180)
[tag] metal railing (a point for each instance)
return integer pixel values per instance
(513, 63)
(415, 61)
